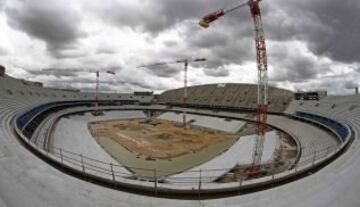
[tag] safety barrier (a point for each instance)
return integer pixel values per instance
(339, 128)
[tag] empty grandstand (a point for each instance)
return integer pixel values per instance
(35, 92)
(46, 149)
(229, 95)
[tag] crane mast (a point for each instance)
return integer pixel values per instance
(185, 95)
(97, 91)
(97, 88)
(186, 63)
(262, 85)
(262, 102)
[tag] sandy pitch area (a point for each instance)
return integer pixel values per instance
(157, 139)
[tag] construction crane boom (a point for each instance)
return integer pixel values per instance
(261, 60)
(172, 62)
(236, 7)
(206, 20)
(186, 63)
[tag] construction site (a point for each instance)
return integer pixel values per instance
(134, 129)
(142, 144)
(158, 139)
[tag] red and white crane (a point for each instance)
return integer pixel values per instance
(261, 59)
(186, 63)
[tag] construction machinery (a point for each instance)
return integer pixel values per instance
(261, 59)
(186, 63)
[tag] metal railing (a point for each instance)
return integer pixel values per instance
(199, 180)
(117, 172)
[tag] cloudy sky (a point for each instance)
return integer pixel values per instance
(311, 44)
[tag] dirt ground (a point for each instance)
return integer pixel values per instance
(157, 139)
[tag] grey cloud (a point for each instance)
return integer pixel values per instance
(345, 84)
(102, 62)
(165, 71)
(170, 43)
(217, 72)
(295, 69)
(291, 64)
(3, 51)
(63, 52)
(218, 47)
(73, 79)
(222, 50)
(330, 27)
(144, 85)
(145, 17)
(211, 39)
(56, 74)
(87, 82)
(153, 16)
(56, 71)
(82, 83)
(105, 50)
(2, 4)
(236, 51)
(230, 40)
(77, 73)
(351, 84)
(54, 22)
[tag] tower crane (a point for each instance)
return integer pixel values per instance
(97, 86)
(186, 63)
(54, 71)
(261, 60)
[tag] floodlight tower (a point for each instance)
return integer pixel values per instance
(186, 63)
(261, 60)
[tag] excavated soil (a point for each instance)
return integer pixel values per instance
(157, 139)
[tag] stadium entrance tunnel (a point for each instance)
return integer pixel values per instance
(204, 177)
